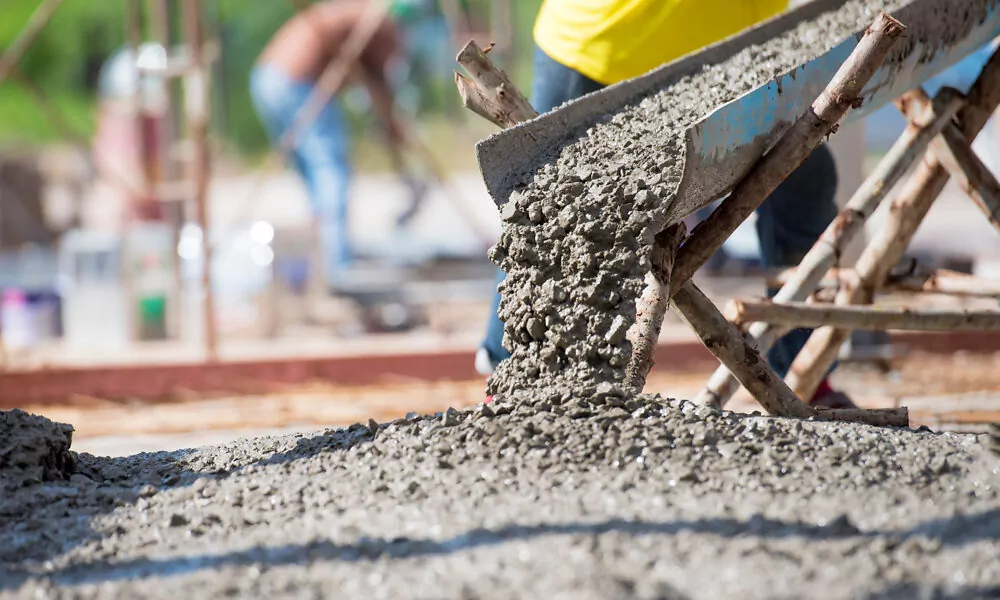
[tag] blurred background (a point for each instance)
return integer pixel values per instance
(110, 197)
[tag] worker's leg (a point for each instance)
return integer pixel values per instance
(788, 224)
(320, 157)
(553, 84)
(323, 154)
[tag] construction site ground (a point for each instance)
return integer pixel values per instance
(240, 495)
(957, 392)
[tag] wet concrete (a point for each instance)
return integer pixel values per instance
(33, 449)
(645, 498)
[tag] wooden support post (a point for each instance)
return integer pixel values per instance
(734, 350)
(969, 172)
(161, 17)
(728, 344)
(133, 38)
(907, 212)
(878, 417)
(651, 308)
(791, 150)
(801, 314)
(957, 157)
(937, 281)
(488, 92)
(849, 223)
(196, 91)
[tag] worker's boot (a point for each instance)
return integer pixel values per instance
(827, 397)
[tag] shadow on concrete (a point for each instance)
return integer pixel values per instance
(47, 520)
(972, 528)
(912, 591)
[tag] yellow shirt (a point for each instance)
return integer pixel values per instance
(612, 40)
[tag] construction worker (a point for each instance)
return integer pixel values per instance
(585, 45)
(286, 75)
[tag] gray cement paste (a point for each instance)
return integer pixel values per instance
(33, 449)
(577, 233)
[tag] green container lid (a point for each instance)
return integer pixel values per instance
(152, 309)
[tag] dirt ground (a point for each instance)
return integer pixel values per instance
(955, 392)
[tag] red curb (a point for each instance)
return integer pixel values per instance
(152, 382)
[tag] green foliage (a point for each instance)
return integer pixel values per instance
(65, 59)
(246, 27)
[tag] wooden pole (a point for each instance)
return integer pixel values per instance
(962, 164)
(908, 211)
(651, 308)
(727, 344)
(39, 19)
(850, 222)
(161, 20)
(801, 314)
(133, 37)
(969, 172)
(196, 95)
(791, 150)
(734, 350)
(937, 281)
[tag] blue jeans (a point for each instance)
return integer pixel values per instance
(788, 223)
(320, 157)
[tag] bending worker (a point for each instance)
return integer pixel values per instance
(585, 45)
(286, 75)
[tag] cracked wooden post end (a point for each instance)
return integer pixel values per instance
(488, 92)
(652, 307)
(799, 314)
(907, 212)
(792, 149)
